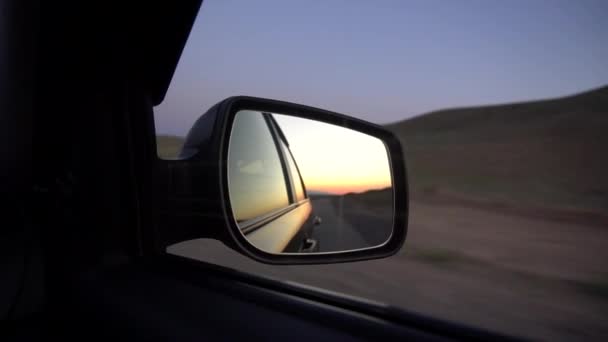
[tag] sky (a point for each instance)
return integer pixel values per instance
(384, 61)
(334, 159)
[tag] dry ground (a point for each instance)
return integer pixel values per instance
(522, 274)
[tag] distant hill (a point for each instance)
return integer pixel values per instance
(550, 153)
(168, 146)
(376, 197)
(316, 193)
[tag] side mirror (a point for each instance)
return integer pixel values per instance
(289, 184)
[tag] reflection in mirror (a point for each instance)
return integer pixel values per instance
(302, 186)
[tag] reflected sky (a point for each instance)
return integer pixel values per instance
(334, 159)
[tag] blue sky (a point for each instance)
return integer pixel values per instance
(384, 61)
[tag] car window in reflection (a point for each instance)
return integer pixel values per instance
(254, 169)
(300, 194)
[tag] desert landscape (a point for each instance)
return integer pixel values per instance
(508, 222)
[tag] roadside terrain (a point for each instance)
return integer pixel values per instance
(549, 153)
(536, 278)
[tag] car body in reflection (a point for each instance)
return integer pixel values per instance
(267, 192)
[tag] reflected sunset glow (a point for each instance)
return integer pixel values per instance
(333, 159)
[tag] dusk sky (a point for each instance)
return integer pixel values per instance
(335, 159)
(384, 61)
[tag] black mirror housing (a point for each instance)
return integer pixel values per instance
(196, 202)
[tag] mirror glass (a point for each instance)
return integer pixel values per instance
(302, 186)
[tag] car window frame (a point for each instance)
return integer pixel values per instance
(284, 166)
(284, 144)
(295, 180)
